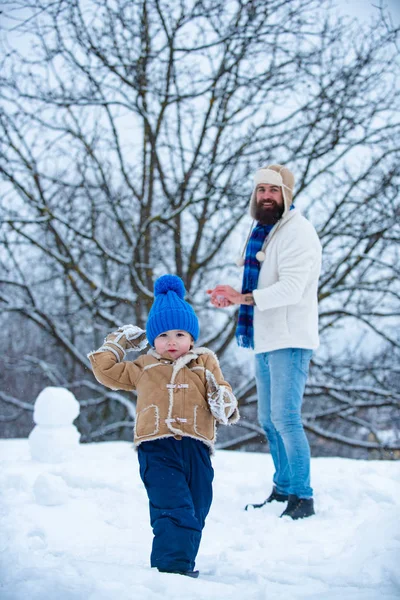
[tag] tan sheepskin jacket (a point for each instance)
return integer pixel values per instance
(175, 398)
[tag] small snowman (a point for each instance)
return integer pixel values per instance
(54, 438)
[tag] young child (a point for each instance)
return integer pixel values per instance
(181, 394)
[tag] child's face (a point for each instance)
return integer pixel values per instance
(174, 341)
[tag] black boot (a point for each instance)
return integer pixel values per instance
(299, 508)
(193, 574)
(274, 495)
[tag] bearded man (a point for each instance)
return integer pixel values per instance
(278, 317)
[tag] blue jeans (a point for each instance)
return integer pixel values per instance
(281, 378)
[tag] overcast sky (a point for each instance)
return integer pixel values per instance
(364, 8)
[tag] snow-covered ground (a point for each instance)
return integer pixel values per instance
(79, 530)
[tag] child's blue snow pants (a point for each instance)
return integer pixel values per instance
(178, 478)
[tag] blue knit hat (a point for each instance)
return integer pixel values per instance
(169, 310)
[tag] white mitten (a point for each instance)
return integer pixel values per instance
(135, 338)
(222, 402)
(128, 338)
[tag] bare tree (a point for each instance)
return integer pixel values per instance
(129, 134)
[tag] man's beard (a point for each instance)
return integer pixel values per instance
(270, 215)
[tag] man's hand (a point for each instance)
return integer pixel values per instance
(218, 301)
(224, 295)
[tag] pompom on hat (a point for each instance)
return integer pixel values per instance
(170, 310)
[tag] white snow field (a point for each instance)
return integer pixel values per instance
(79, 530)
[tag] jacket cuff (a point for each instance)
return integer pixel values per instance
(113, 347)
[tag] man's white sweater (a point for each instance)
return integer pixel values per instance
(286, 304)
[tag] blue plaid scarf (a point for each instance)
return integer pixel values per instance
(244, 329)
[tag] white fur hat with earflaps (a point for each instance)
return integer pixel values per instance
(270, 175)
(274, 175)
